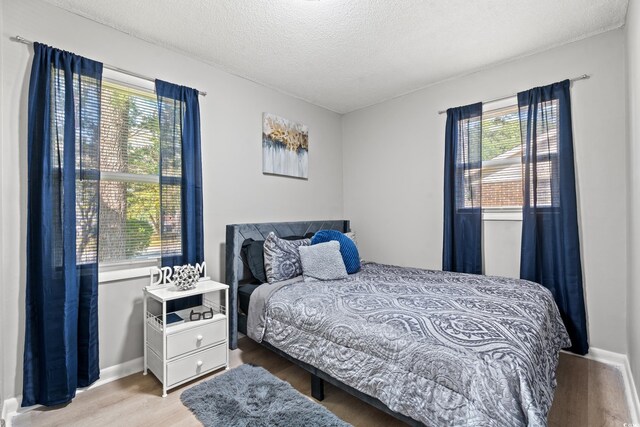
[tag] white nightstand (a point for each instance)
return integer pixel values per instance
(180, 352)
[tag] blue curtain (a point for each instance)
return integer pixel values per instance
(180, 178)
(550, 252)
(61, 330)
(462, 245)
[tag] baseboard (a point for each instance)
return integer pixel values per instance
(116, 372)
(605, 356)
(620, 361)
(11, 407)
(632, 394)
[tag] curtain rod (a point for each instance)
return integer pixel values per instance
(22, 40)
(502, 98)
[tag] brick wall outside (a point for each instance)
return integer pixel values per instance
(500, 194)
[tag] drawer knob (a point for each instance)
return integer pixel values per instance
(199, 338)
(199, 363)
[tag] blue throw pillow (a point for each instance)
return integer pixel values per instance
(348, 248)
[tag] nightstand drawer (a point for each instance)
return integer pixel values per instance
(196, 364)
(195, 338)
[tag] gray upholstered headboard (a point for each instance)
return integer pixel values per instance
(236, 270)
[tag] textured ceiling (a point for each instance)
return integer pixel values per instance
(347, 54)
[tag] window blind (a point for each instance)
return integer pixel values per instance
(501, 158)
(468, 172)
(86, 161)
(172, 112)
(130, 215)
(542, 169)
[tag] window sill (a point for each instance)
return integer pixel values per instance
(119, 275)
(126, 271)
(496, 215)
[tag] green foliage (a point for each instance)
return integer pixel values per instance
(139, 234)
(499, 135)
(145, 159)
(143, 203)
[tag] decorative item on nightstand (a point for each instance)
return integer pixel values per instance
(182, 276)
(183, 345)
(185, 277)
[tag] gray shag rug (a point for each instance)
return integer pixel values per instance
(250, 396)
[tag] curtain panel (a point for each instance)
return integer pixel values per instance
(61, 324)
(462, 243)
(550, 252)
(180, 178)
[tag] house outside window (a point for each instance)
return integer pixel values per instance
(502, 160)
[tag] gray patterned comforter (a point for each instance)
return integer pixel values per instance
(446, 349)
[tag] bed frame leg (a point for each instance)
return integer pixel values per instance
(317, 387)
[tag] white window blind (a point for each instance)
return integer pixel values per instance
(469, 162)
(130, 215)
(501, 158)
(541, 169)
(86, 100)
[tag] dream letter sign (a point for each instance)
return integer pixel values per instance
(164, 274)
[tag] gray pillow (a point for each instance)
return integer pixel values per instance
(281, 258)
(322, 262)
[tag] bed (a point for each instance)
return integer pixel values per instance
(429, 347)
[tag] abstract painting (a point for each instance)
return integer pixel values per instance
(285, 147)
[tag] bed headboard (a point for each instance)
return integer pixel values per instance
(236, 270)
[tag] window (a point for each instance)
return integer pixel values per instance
(502, 168)
(501, 158)
(130, 215)
(542, 169)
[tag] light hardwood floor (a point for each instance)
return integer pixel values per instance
(588, 394)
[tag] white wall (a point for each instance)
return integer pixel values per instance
(633, 295)
(394, 167)
(2, 206)
(234, 188)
